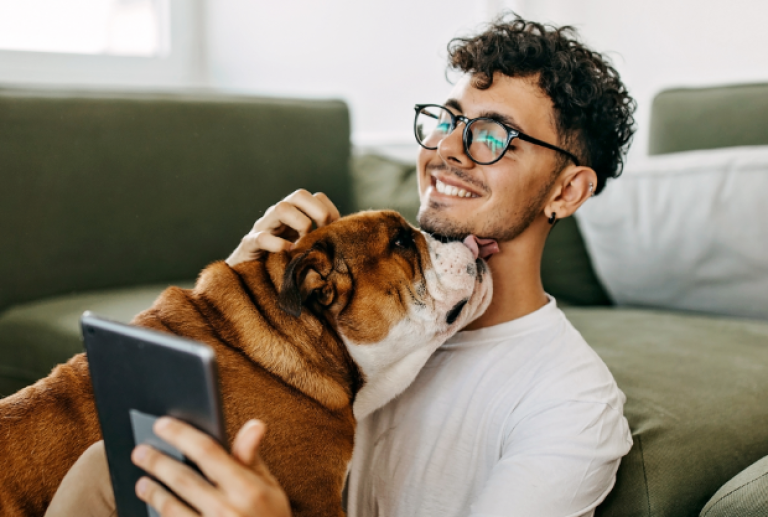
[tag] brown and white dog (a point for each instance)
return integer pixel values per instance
(308, 341)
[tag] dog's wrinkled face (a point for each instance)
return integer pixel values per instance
(392, 293)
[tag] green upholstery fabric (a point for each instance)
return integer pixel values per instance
(686, 119)
(566, 269)
(380, 182)
(103, 191)
(696, 403)
(36, 336)
(746, 495)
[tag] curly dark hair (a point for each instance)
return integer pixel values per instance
(593, 107)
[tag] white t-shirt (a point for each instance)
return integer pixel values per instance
(519, 419)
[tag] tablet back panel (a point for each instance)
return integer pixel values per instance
(140, 374)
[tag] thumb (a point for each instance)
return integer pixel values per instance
(246, 445)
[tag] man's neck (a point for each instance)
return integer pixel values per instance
(516, 273)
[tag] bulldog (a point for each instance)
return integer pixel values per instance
(307, 341)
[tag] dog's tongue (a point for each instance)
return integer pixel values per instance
(482, 248)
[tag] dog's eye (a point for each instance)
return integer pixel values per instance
(403, 239)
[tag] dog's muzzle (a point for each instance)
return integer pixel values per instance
(453, 314)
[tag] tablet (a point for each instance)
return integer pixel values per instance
(138, 375)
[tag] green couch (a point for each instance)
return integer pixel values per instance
(111, 197)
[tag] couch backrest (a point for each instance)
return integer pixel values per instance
(107, 190)
(686, 119)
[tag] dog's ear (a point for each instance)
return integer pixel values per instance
(305, 276)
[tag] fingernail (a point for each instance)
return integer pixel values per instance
(162, 423)
(140, 453)
(141, 486)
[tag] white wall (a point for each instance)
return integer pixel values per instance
(658, 44)
(384, 56)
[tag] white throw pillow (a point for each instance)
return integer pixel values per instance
(685, 231)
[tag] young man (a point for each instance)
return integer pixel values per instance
(515, 415)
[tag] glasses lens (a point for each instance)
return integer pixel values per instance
(487, 140)
(432, 125)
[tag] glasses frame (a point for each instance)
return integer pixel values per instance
(511, 134)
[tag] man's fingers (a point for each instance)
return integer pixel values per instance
(290, 215)
(283, 223)
(237, 488)
(209, 456)
(184, 481)
(246, 445)
(317, 207)
(161, 500)
(333, 212)
(264, 241)
(245, 487)
(298, 211)
(254, 245)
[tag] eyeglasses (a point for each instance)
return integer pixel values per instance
(485, 139)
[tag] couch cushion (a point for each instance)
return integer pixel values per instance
(118, 189)
(683, 231)
(34, 337)
(696, 405)
(381, 182)
(746, 495)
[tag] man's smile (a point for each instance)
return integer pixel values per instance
(452, 188)
(445, 185)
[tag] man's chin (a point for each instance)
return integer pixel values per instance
(431, 221)
(442, 223)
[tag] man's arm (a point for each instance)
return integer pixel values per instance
(86, 490)
(558, 462)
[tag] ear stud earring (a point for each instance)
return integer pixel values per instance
(591, 188)
(552, 218)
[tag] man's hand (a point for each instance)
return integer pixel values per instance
(240, 484)
(283, 224)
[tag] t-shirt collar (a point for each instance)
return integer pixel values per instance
(538, 318)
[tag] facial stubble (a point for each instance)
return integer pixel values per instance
(504, 227)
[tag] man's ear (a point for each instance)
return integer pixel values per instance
(575, 186)
(307, 275)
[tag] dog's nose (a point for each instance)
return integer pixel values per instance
(453, 314)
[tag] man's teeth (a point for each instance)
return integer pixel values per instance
(450, 190)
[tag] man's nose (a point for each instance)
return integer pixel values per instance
(451, 148)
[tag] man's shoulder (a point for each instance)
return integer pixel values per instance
(554, 364)
(552, 341)
(571, 392)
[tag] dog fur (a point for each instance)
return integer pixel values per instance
(306, 340)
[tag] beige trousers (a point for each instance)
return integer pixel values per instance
(86, 490)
